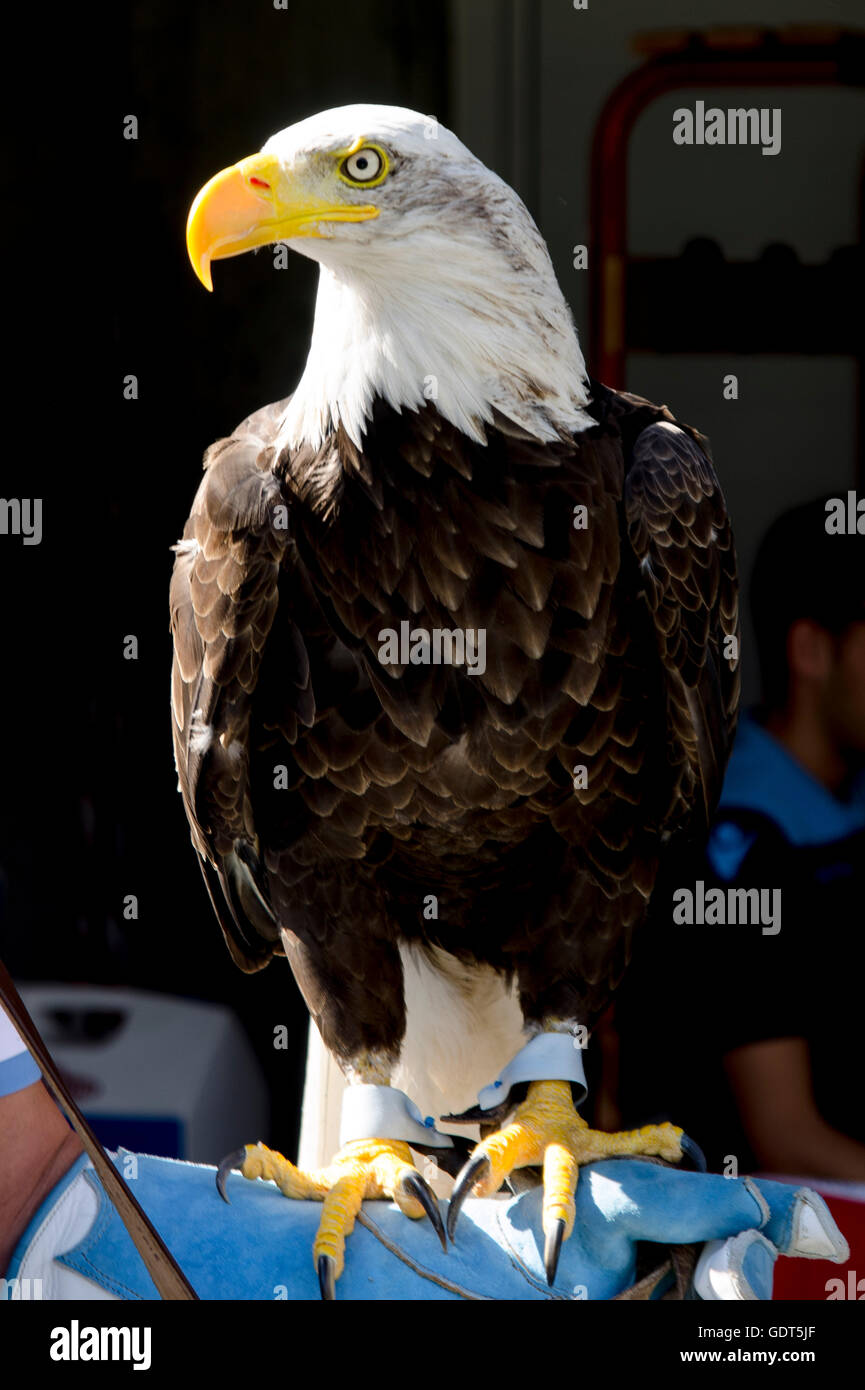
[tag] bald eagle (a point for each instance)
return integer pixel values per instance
(455, 654)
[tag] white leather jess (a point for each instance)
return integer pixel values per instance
(383, 1112)
(546, 1057)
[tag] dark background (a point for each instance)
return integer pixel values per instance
(97, 285)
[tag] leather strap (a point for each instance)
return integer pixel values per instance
(158, 1259)
(383, 1112)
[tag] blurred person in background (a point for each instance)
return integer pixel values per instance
(751, 1037)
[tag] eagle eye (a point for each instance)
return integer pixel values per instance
(366, 165)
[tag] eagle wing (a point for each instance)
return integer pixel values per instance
(681, 536)
(224, 602)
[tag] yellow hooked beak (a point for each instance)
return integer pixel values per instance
(255, 203)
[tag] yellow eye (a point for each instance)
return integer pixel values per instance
(366, 165)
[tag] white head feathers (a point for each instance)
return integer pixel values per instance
(447, 295)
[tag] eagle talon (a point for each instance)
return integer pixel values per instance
(327, 1277)
(552, 1249)
(691, 1149)
(363, 1169)
(233, 1160)
(413, 1185)
(477, 1168)
(546, 1129)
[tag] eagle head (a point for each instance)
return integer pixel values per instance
(435, 283)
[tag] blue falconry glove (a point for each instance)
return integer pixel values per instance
(259, 1246)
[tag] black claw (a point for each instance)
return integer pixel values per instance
(552, 1250)
(232, 1160)
(693, 1151)
(476, 1168)
(327, 1277)
(416, 1186)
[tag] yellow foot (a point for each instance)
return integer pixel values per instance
(366, 1168)
(546, 1129)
